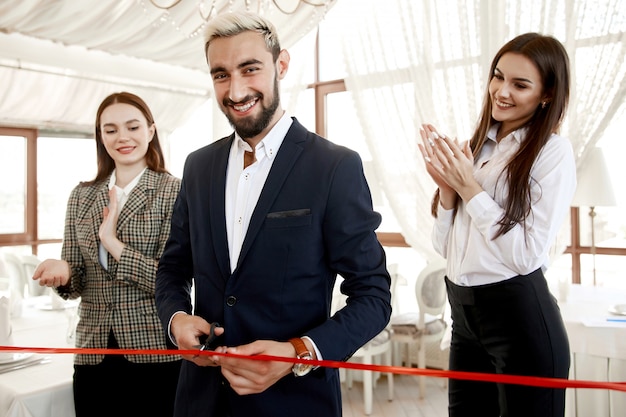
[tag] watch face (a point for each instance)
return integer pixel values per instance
(301, 369)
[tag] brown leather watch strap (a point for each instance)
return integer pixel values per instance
(301, 369)
(300, 347)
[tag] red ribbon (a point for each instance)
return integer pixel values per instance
(473, 376)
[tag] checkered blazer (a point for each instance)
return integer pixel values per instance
(122, 297)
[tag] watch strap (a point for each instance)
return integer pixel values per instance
(301, 369)
(301, 349)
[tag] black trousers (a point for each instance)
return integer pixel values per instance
(120, 388)
(512, 327)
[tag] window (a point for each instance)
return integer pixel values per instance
(601, 263)
(73, 161)
(18, 189)
(336, 120)
(326, 108)
(41, 172)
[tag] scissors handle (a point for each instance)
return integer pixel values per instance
(206, 345)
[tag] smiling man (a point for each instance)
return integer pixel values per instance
(247, 88)
(265, 221)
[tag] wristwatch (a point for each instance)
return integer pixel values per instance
(301, 369)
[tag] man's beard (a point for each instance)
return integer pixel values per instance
(249, 127)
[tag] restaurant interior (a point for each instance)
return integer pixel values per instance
(365, 74)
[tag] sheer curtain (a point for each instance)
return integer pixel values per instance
(413, 62)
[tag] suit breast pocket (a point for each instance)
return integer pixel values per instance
(288, 218)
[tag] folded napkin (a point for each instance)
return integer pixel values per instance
(56, 301)
(6, 336)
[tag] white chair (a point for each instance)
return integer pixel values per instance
(423, 330)
(13, 265)
(29, 263)
(378, 350)
(5, 278)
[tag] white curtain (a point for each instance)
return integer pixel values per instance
(412, 62)
(60, 58)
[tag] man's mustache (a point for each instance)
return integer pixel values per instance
(229, 102)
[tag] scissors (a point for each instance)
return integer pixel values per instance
(210, 338)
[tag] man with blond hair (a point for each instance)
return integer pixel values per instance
(265, 221)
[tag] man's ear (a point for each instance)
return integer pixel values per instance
(282, 64)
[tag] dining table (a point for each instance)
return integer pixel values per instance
(595, 319)
(42, 388)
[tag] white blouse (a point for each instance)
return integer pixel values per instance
(466, 239)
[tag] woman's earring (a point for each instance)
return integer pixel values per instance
(543, 104)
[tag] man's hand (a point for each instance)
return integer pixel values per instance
(187, 331)
(254, 376)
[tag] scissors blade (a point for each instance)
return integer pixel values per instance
(210, 338)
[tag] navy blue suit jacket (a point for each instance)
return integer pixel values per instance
(313, 220)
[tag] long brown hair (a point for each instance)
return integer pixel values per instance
(552, 62)
(154, 155)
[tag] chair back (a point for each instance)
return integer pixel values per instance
(13, 264)
(430, 289)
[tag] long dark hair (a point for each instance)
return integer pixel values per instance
(551, 60)
(154, 155)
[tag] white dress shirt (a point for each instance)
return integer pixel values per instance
(466, 239)
(243, 186)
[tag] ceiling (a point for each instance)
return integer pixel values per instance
(60, 58)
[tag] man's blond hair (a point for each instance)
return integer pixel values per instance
(233, 23)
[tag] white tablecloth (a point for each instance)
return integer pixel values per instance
(598, 350)
(41, 390)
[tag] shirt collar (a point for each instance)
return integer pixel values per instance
(126, 190)
(270, 144)
(518, 134)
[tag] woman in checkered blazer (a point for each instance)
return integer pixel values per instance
(115, 230)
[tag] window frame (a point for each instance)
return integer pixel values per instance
(29, 235)
(321, 91)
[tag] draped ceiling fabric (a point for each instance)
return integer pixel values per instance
(60, 58)
(412, 62)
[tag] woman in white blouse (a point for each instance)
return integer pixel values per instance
(501, 199)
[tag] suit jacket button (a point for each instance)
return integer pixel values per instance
(231, 300)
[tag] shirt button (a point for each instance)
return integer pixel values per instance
(231, 300)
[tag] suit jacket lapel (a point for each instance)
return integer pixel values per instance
(286, 157)
(138, 198)
(93, 215)
(216, 180)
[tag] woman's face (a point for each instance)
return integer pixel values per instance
(126, 134)
(516, 90)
